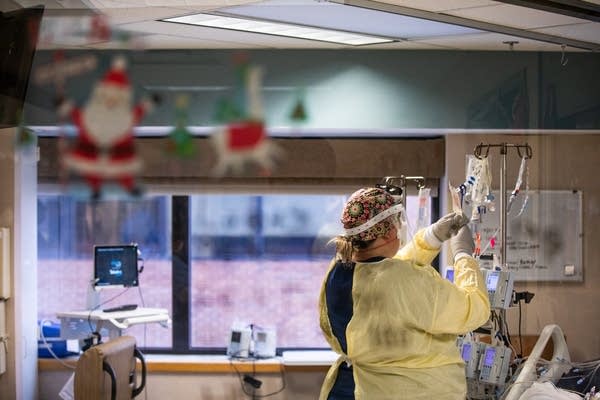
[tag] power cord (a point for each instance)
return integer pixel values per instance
(255, 383)
(517, 298)
(49, 348)
(96, 338)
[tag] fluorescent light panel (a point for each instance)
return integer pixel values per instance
(278, 29)
(337, 16)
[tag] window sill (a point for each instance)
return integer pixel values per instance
(295, 361)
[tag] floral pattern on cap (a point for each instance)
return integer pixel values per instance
(362, 206)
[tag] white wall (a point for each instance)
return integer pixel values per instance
(18, 211)
(203, 386)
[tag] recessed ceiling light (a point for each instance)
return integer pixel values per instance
(278, 29)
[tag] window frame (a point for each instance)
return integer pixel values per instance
(180, 232)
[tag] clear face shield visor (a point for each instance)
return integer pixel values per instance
(401, 223)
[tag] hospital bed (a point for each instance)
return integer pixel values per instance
(539, 382)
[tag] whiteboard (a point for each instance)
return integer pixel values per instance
(544, 242)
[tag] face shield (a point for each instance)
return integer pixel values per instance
(394, 213)
(402, 226)
(393, 190)
(371, 213)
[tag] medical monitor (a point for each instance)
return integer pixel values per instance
(490, 356)
(492, 281)
(115, 266)
(466, 351)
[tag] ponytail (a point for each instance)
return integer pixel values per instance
(346, 247)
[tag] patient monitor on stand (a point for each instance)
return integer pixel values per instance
(115, 267)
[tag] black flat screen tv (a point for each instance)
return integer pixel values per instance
(115, 266)
(19, 31)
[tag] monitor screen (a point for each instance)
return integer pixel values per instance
(115, 266)
(492, 281)
(466, 351)
(490, 353)
(236, 337)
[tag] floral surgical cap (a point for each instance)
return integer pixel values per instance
(362, 206)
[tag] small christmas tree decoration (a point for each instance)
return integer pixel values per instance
(298, 113)
(181, 140)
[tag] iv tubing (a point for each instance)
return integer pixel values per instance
(503, 150)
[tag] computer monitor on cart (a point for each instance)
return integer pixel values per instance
(115, 266)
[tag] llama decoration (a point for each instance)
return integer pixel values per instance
(242, 146)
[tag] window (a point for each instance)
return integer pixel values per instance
(260, 259)
(68, 229)
(210, 259)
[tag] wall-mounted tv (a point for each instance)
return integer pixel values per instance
(18, 40)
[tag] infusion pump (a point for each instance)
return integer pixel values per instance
(499, 284)
(239, 342)
(484, 362)
(494, 364)
(252, 341)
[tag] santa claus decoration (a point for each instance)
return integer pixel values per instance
(104, 148)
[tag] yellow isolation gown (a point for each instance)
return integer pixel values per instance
(401, 340)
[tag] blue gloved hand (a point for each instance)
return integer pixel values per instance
(448, 225)
(462, 242)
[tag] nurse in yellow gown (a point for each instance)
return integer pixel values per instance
(390, 315)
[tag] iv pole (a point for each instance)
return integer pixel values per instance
(481, 154)
(391, 180)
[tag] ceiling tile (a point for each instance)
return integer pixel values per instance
(166, 42)
(406, 45)
(101, 4)
(492, 41)
(588, 32)
(515, 16)
(119, 16)
(440, 6)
